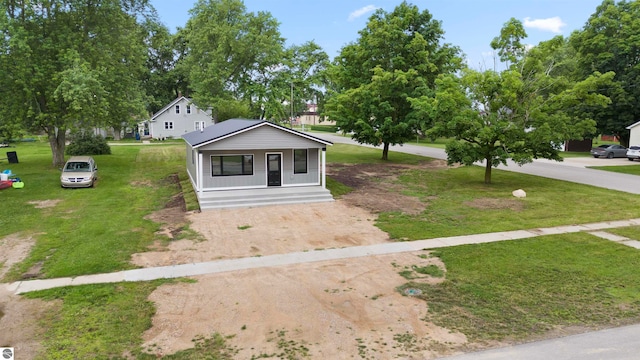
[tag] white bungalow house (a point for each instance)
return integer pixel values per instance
(176, 119)
(634, 138)
(246, 163)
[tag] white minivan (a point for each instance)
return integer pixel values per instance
(633, 153)
(79, 171)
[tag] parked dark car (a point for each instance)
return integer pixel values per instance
(633, 153)
(609, 151)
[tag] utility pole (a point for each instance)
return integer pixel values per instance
(291, 106)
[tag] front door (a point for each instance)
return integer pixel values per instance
(274, 173)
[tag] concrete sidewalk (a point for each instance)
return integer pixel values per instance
(212, 267)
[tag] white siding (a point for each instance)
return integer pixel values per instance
(259, 177)
(634, 138)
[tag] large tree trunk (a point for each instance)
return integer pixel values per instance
(385, 151)
(487, 171)
(57, 139)
(117, 132)
(624, 139)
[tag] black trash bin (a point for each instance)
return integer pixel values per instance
(12, 157)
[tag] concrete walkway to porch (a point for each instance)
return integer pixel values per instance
(228, 265)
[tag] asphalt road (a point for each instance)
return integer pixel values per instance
(571, 169)
(612, 344)
(620, 343)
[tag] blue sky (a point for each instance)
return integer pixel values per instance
(469, 24)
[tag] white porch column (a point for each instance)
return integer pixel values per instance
(324, 167)
(199, 174)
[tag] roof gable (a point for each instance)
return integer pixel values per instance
(633, 125)
(172, 104)
(232, 127)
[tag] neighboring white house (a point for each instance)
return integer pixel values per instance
(241, 163)
(179, 117)
(634, 138)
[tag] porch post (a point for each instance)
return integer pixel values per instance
(199, 174)
(324, 167)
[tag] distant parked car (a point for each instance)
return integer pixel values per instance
(633, 153)
(609, 151)
(79, 171)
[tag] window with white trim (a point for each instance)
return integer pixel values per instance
(231, 165)
(199, 125)
(188, 109)
(168, 125)
(177, 109)
(300, 161)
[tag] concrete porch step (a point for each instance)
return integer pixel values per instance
(262, 197)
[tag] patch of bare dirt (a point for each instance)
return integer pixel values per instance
(20, 323)
(44, 204)
(173, 215)
(336, 309)
(14, 249)
(234, 233)
(375, 187)
(19, 317)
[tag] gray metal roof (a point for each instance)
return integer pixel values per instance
(227, 128)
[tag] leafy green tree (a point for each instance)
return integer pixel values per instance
(610, 41)
(71, 64)
(397, 56)
(163, 80)
(509, 43)
(522, 113)
(298, 79)
(227, 49)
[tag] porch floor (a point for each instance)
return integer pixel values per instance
(225, 199)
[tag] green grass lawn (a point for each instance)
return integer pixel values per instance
(631, 232)
(89, 230)
(513, 290)
(505, 290)
(625, 169)
(456, 199)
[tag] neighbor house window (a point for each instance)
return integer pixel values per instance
(199, 125)
(168, 125)
(229, 165)
(177, 109)
(300, 161)
(188, 109)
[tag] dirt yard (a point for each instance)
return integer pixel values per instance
(328, 310)
(19, 317)
(336, 309)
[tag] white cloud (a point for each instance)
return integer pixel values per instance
(362, 11)
(553, 24)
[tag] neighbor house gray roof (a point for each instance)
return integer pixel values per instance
(231, 127)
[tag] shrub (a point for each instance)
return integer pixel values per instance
(88, 144)
(326, 128)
